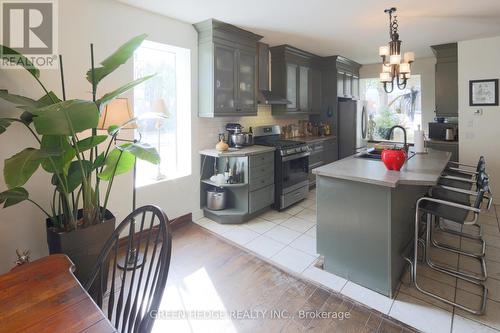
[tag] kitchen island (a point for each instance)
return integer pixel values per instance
(366, 216)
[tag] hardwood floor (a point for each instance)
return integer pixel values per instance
(214, 286)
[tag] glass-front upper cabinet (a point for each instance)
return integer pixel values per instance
(225, 77)
(291, 85)
(340, 84)
(246, 81)
(304, 89)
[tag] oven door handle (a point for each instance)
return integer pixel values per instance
(295, 156)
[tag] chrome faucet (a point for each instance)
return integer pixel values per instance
(405, 146)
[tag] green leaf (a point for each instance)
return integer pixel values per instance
(99, 161)
(18, 99)
(13, 196)
(17, 58)
(112, 95)
(75, 175)
(48, 99)
(66, 118)
(118, 58)
(4, 123)
(63, 151)
(122, 161)
(112, 129)
(142, 151)
(91, 142)
(19, 168)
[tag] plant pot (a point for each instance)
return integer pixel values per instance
(82, 246)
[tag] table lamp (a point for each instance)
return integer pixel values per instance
(160, 106)
(117, 112)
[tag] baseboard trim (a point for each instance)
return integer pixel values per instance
(174, 225)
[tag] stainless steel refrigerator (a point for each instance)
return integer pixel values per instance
(352, 125)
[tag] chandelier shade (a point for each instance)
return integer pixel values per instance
(395, 66)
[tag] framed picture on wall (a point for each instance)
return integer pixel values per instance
(483, 92)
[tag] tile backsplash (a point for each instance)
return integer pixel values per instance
(209, 128)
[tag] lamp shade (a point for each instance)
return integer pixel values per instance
(383, 51)
(404, 68)
(160, 106)
(116, 112)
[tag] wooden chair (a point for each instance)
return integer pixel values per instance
(130, 297)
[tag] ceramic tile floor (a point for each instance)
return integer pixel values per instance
(288, 239)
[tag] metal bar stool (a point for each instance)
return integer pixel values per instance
(452, 211)
(438, 210)
(464, 197)
(454, 172)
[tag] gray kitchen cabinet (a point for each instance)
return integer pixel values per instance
(304, 89)
(451, 147)
(291, 76)
(227, 70)
(261, 181)
(244, 200)
(225, 79)
(291, 86)
(330, 152)
(323, 151)
(340, 83)
(247, 67)
(355, 87)
(446, 81)
(315, 77)
(348, 82)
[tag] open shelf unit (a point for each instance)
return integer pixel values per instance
(236, 209)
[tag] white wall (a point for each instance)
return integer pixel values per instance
(425, 67)
(478, 135)
(107, 24)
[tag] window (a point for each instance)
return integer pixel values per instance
(169, 92)
(400, 107)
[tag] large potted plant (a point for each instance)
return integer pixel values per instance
(69, 148)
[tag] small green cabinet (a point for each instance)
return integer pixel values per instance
(446, 88)
(227, 70)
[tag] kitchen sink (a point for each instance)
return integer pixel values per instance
(376, 154)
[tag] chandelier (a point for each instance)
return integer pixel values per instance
(393, 67)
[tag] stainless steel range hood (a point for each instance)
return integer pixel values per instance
(265, 95)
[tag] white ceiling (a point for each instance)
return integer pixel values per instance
(353, 28)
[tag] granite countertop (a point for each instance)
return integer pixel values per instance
(314, 138)
(234, 152)
(421, 170)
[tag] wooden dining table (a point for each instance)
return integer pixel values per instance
(45, 296)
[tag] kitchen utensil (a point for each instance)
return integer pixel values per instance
(216, 198)
(450, 134)
(248, 138)
(238, 140)
(393, 159)
(233, 129)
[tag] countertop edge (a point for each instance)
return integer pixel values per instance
(247, 151)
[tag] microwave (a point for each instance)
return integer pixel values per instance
(437, 131)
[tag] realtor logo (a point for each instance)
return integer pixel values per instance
(30, 28)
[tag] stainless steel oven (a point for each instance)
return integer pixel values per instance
(291, 166)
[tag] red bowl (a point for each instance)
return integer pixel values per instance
(393, 159)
